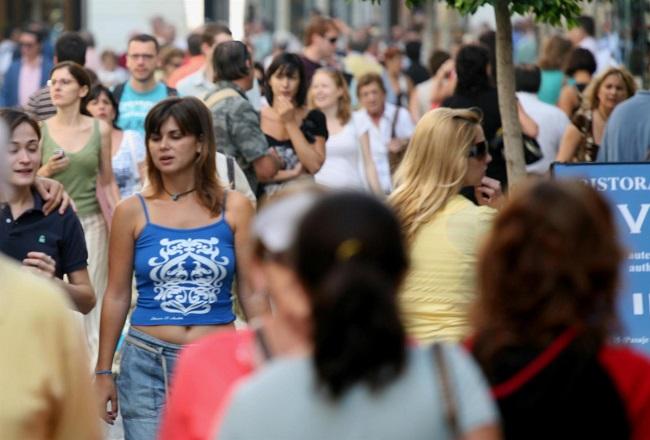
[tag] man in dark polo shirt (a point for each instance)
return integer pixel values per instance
(52, 245)
(321, 36)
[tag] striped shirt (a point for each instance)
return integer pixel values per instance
(40, 105)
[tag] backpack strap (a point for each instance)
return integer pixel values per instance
(222, 94)
(118, 91)
(230, 163)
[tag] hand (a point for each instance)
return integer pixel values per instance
(297, 170)
(106, 393)
(42, 263)
(52, 192)
(57, 163)
(395, 145)
(489, 193)
(446, 70)
(273, 154)
(285, 108)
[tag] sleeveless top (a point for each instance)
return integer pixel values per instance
(587, 150)
(80, 177)
(184, 276)
(314, 124)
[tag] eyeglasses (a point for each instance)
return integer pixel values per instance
(479, 149)
(63, 82)
(144, 56)
(27, 45)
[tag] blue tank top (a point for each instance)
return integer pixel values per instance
(184, 276)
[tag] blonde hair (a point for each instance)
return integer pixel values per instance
(591, 92)
(434, 166)
(344, 105)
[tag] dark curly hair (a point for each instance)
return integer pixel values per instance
(551, 262)
(471, 68)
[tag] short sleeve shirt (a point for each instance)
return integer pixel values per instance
(237, 130)
(59, 236)
(134, 106)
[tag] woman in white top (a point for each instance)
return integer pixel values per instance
(348, 141)
(127, 147)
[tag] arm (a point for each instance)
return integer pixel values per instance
(117, 300)
(239, 212)
(570, 141)
(567, 100)
(311, 156)
(106, 177)
(78, 289)
(369, 165)
(528, 125)
(54, 195)
(414, 110)
(246, 133)
(485, 432)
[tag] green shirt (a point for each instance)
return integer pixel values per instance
(80, 177)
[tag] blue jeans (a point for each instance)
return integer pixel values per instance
(143, 383)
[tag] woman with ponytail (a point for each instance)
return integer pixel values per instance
(447, 152)
(351, 373)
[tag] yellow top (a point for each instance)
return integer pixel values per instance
(44, 376)
(441, 282)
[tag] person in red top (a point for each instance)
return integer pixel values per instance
(207, 370)
(546, 310)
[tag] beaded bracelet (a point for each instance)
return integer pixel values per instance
(103, 372)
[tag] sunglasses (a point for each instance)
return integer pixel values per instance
(333, 40)
(479, 149)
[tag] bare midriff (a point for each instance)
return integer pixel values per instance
(181, 334)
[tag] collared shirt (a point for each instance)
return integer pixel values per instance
(29, 81)
(198, 85)
(59, 236)
(380, 137)
(237, 130)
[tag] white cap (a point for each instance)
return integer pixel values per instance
(277, 223)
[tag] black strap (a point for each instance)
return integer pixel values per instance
(118, 91)
(171, 91)
(451, 415)
(393, 127)
(230, 163)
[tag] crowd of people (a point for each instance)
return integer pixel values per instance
(320, 244)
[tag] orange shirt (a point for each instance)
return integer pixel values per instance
(191, 66)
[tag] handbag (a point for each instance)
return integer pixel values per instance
(449, 400)
(532, 150)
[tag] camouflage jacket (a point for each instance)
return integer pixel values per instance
(237, 130)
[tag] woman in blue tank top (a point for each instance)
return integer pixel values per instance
(185, 239)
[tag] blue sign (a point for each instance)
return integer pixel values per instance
(627, 187)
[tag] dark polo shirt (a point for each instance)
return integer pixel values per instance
(59, 236)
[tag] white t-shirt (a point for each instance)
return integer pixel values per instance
(551, 121)
(380, 136)
(125, 163)
(343, 158)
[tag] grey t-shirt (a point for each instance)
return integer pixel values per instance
(283, 402)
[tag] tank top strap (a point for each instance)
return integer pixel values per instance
(144, 207)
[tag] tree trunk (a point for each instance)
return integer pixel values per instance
(513, 144)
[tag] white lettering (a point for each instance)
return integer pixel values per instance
(633, 224)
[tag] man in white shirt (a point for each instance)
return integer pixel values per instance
(583, 36)
(389, 126)
(552, 121)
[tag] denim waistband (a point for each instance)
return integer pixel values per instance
(153, 341)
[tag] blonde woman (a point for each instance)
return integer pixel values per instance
(348, 163)
(447, 152)
(581, 140)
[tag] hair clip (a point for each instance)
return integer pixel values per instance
(348, 249)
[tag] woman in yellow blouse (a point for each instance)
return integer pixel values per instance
(447, 152)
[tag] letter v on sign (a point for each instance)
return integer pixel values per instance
(635, 224)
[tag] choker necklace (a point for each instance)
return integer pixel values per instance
(176, 196)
